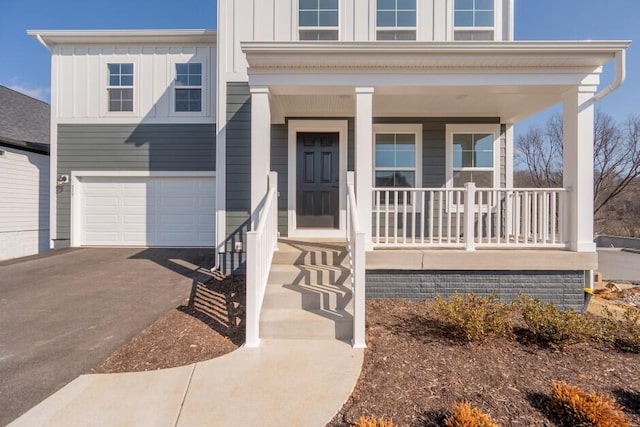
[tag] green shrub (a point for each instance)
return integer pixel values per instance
(465, 415)
(578, 408)
(475, 318)
(623, 331)
(556, 328)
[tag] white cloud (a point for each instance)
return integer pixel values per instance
(41, 93)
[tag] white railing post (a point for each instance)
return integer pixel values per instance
(469, 215)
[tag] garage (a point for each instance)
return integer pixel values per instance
(169, 211)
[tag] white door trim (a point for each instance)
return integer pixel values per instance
(76, 191)
(341, 127)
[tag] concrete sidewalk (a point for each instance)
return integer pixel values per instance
(284, 382)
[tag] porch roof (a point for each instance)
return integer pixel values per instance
(412, 54)
(510, 80)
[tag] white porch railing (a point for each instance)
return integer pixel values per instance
(357, 253)
(261, 244)
(469, 217)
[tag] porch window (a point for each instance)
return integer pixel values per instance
(120, 87)
(473, 155)
(397, 157)
(188, 95)
(396, 20)
(318, 19)
(474, 20)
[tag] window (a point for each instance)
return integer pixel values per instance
(188, 87)
(397, 156)
(396, 20)
(473, 155)
(318, 19)
(120, 87)
(474, 20)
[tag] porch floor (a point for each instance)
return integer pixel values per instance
(480, 259)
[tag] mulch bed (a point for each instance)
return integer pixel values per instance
(208, 325)
(414, 372)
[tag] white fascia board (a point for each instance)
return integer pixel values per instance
(116, 37)
(376, 55)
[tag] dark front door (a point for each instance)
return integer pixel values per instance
(317, 192)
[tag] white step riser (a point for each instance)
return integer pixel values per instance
(311, 258)
(305, 299)
(302, 276)
(321, 329)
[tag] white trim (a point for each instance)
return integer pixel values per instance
(76, 193)
(470, 128)
(295, 126)
(497, 21)
(205, 93)
(112, 37)
(104, 86)
(296, 28)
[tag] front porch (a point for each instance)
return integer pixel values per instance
(419, 175)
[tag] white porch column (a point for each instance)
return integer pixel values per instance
(260, 148)
(364, 159)
(577, 159)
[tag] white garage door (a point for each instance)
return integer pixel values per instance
(148, 211)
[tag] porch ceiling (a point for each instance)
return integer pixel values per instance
(510, 103)
(510, 80)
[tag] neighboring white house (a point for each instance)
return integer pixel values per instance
(388, 122)
(24, 175)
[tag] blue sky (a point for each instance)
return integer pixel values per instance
(26, 63)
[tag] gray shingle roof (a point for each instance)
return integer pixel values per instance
(23, 118)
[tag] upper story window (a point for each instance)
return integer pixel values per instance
(474, 20)
(188, 96)
(120, 87)
(396, 20)
(318, 19)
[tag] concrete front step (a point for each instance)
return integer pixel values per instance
(329, 275)
(296, 323)
(308, 295)
(306, 253)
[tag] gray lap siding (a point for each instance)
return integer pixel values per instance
(129, 147)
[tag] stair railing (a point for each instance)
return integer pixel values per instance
(356, 248)
(261, 244)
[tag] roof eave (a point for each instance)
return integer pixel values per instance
(115, 37)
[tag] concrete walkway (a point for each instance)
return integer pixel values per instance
(284, 382)
(616, 264)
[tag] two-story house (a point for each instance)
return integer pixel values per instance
(387, 122)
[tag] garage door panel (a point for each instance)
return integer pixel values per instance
(149, 211)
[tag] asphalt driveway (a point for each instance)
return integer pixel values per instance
(62, 314)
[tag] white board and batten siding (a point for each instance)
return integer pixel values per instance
(155, 211)
(24, 203)
(81, 76)
(277, 20)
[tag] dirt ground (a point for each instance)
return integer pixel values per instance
(209, 325)
(413, 371)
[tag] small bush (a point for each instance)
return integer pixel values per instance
(578, 408)
(465, 415)
(556, 328)
(475, 318)
(623, 331)
(374, 422)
